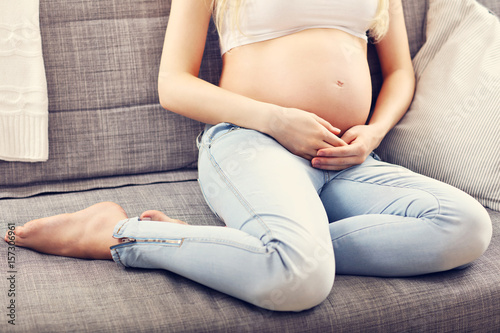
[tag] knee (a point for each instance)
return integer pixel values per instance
(304, 285)
(477, 228)
(471, 233)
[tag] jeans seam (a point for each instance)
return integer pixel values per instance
(191, 239)
(122, 226)
(227, 243)
(118, 259)
(362, 229)
(326, 180)
(213, 140)
(438, 203)
(235, 191)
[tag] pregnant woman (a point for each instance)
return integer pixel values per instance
(286, 160)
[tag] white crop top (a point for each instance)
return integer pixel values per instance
(262, 20)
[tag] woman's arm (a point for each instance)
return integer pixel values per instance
(397, 69)
(181, 91)
(393, 101)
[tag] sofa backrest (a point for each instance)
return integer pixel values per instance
(101, 61)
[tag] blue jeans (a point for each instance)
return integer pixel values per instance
(291, 227)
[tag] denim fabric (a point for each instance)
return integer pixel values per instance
(291, 227)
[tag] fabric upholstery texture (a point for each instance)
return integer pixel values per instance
(102, 61)
(57, 294)
(111, 141)
(451, 130)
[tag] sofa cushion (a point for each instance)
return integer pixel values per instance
(101, 60)
(58, 294)
(451, 130)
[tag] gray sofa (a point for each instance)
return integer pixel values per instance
(110, 140)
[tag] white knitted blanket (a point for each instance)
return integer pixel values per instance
(23, 86)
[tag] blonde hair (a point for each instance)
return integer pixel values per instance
(380, 24)
(220, 7)
(378, 27)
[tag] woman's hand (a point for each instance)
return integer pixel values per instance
(303, 133)
(361, 141)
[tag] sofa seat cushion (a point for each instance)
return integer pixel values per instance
(58, 294)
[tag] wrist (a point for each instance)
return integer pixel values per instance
(379, 131)
(269, 119)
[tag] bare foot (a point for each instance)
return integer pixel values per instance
(85, 234)
(155, 215)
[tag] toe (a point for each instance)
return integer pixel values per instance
(19, 232)
(155, 215)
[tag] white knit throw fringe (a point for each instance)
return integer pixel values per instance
(23, 86)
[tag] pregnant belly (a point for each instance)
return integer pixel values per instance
(323, 71)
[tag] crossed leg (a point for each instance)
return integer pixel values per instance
(87, 233)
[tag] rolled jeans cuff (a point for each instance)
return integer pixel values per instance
(120, 233)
